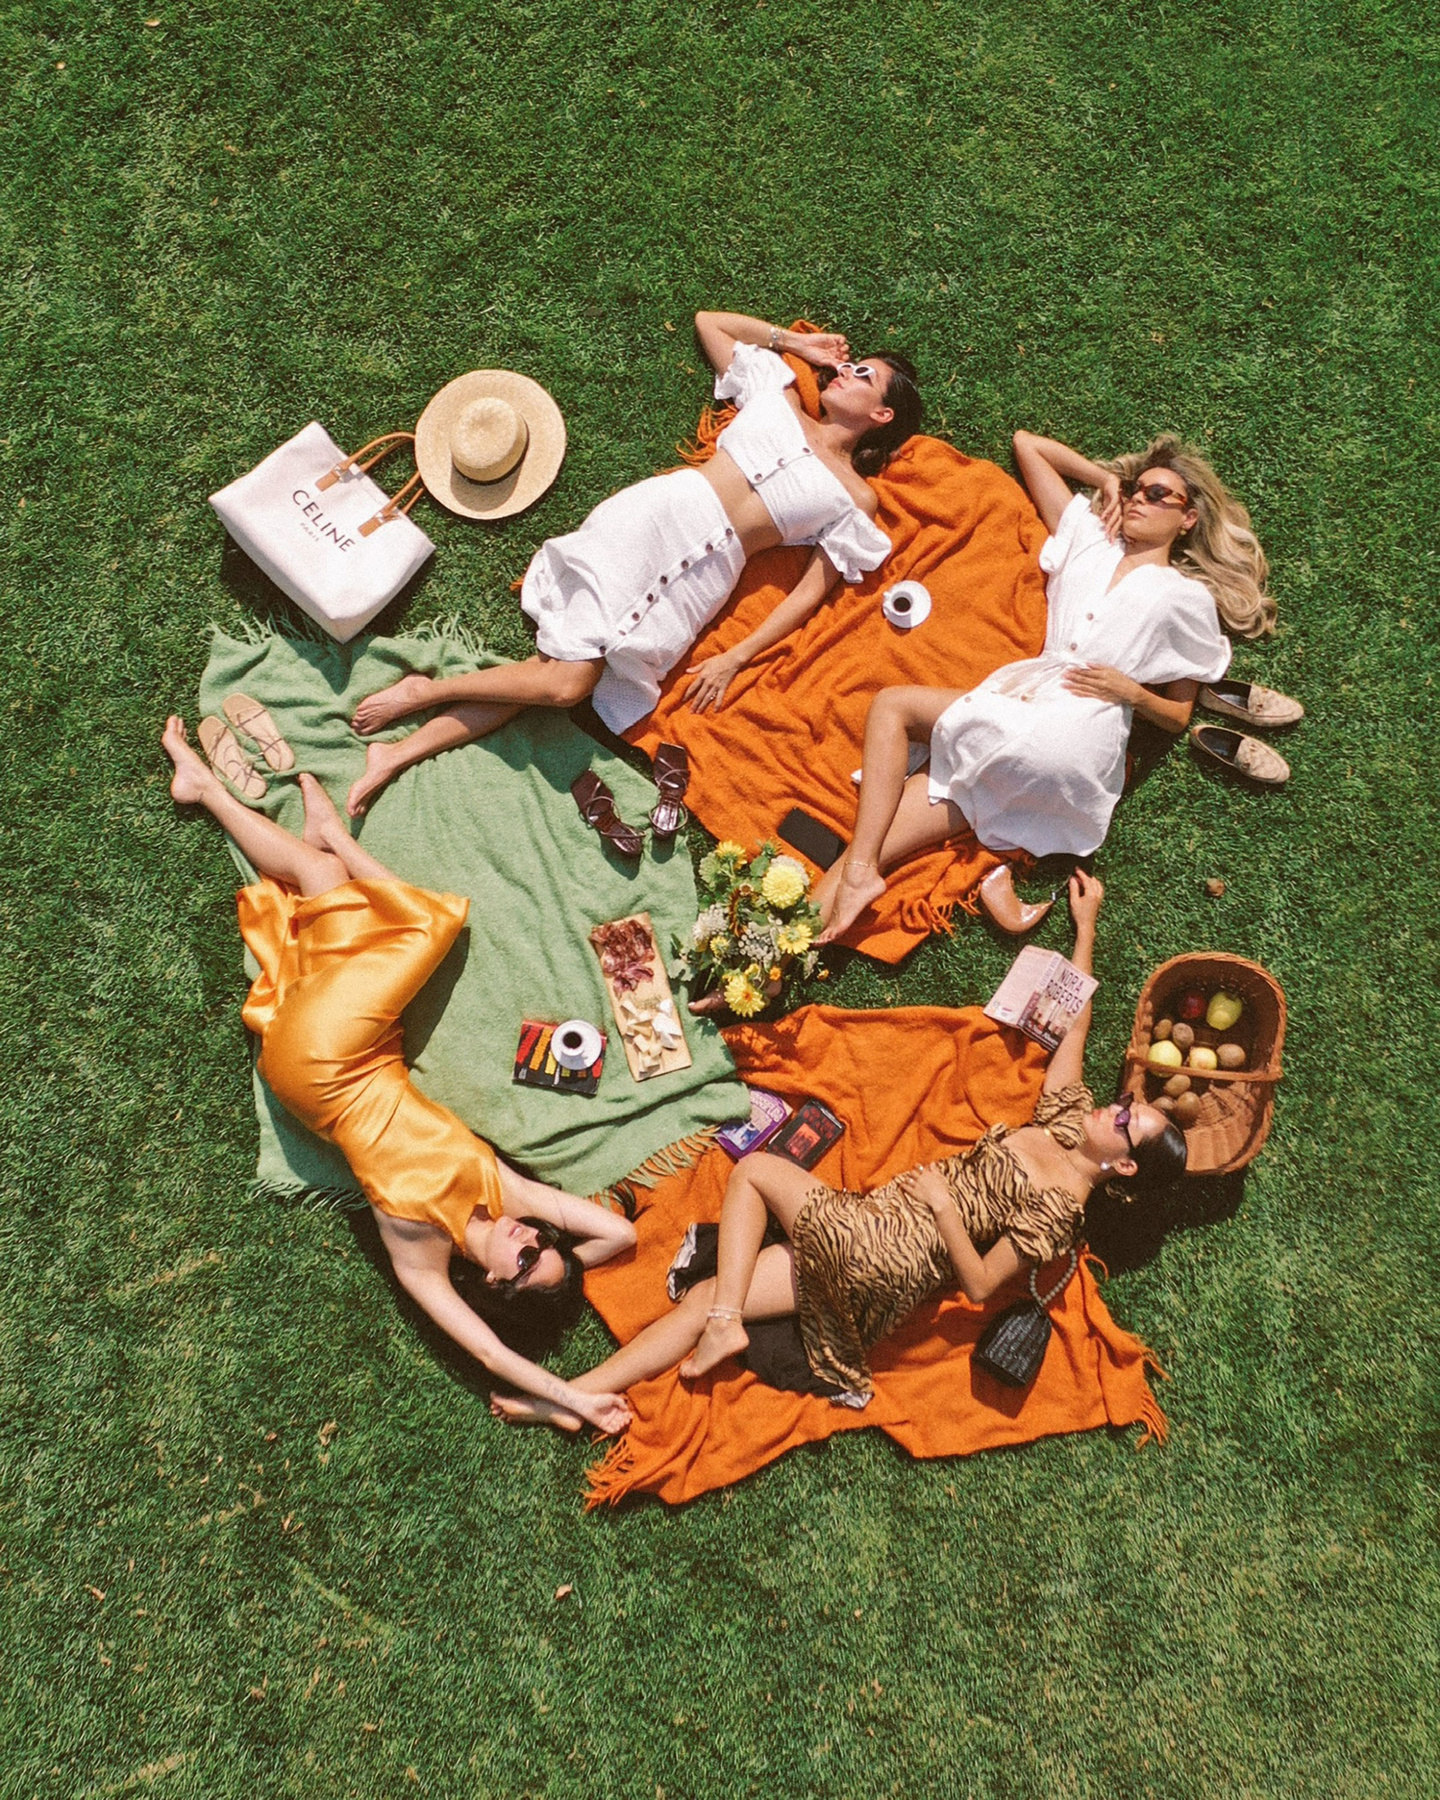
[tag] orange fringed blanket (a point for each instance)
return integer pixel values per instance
(912, 1084)
(790, 729)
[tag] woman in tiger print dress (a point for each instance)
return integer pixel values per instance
(857, 1264)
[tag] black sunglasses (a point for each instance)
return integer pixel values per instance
(546, 1237)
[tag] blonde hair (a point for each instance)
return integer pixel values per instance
(1221, 549)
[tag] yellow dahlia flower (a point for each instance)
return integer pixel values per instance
(731, 849)
(785, 882)
(742, 997)
(794, 940)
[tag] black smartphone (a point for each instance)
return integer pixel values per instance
(811, 838)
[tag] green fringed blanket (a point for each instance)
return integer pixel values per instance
(494, 821)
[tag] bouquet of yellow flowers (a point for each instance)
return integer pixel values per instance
(756, 927)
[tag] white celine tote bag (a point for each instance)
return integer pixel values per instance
(323, 531)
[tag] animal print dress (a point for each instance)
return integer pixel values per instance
(864, 1262)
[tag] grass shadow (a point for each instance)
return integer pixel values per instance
(1127, 1234)
(252, 588)
(427, 1009)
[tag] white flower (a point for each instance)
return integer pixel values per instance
(709, 922)
(757, 945)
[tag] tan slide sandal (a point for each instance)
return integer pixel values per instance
(228, 760)
(251, 719)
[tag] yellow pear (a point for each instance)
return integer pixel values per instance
(1224, 1009)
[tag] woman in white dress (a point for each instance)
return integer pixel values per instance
(1139, 583)
(620, 601)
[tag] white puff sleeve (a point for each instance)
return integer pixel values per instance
(752, 371)
(854, 543)
(1077, 529)
(1184, 641)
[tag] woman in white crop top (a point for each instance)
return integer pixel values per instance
(1139, 586)
(620, 601)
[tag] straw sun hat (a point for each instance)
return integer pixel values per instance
(489, 443)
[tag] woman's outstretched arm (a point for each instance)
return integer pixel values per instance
(416, 1253)
(715, 673)
(720, 332)
(1047, 468)
(1067, 1065)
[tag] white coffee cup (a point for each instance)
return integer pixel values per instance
(906, 605)
(576, 1044)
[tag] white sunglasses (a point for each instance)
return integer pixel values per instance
(862, 371)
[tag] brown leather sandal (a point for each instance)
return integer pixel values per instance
(597, 808)
(672, 777)
(1241, 755)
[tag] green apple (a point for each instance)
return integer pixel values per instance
(1165, 1055)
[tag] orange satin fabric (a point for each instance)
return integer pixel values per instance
(336, 972)
(790, 730)
(912, 1085)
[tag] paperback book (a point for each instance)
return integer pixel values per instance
(1043, 995)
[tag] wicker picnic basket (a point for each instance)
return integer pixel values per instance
(1235, 1106)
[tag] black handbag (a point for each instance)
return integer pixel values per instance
(1012, 1346)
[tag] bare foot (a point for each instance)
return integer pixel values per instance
(322, 823)
(382, 765)
(720, 1339)
(855, 892)
(191, 779)
(397, 701)
(826, 888)
(526, 1409)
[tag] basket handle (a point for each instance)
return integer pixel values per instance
(382, 446)
(1146, 1067)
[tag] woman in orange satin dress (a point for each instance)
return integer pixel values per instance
(343, 947)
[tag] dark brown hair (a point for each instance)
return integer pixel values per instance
(902, 396)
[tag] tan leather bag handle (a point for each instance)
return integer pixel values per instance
(382, 446)
(390, 441)
(396, 504)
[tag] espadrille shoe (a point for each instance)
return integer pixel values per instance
(1241, 755)
(1261, 708)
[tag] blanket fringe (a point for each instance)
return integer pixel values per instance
(293, 628)
(1157, 1426)
(308, 1199)
(451, 631)
(699, 449)
(673, 1159)
(1152, 1414)
(609, 1481)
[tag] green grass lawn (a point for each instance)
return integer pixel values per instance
(256, 1536)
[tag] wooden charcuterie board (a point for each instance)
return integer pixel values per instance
(643, 1006)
